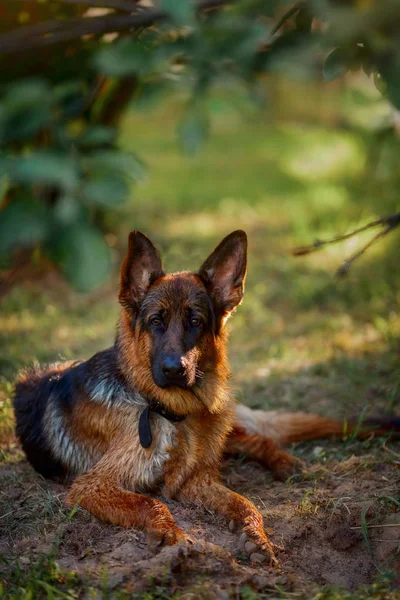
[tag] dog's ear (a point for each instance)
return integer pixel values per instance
(141, 266)
(224, 272)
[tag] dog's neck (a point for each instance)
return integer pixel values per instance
(145, 434)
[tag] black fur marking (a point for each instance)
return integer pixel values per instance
(391, 424)
(30, 402)
(62, 383)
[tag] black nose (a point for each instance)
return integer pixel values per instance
(172, 367)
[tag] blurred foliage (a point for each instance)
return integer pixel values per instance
(58, 174)
(69, 69)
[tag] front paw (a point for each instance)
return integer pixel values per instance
(167, 537)
(258, 547)
(285, 465)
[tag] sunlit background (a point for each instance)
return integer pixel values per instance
(213, 135)
(286, 173)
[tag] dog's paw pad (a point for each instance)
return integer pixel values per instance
(261, 551)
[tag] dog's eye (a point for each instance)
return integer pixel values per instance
(195, 322)
(155, 321)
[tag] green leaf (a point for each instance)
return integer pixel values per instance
(390, 72)
(149, 93)
(114, 161)
(293, 53)
(71, 97)
(249, 42)
(180, 11)
(69, 209)
(66, 90)
(106, 190)
(336, 64)
(380, 84)
(23, 222)
(82, 255)
(126, 57)
(22, 125)
(96, 135)
(193, 128)
(230, 38)
(25, 109)
(27, 93)
(47, 168)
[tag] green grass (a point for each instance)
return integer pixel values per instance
(41, 580)
(302, 339)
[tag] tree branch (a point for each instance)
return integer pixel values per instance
(389, 224)
(284, 18)
(53, 32)
(128, 6)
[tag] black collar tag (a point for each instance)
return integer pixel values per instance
(145, 435)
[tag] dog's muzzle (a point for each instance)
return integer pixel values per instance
(171, 372)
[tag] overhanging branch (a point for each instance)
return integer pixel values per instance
(128, 6)
(57, 31)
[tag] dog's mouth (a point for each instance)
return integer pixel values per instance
(186, 381)
(173, 383)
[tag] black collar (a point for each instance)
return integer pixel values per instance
(145, 436)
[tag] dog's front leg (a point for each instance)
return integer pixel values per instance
(100, 494)
(208, 492)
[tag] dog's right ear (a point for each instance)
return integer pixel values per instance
(141, 266)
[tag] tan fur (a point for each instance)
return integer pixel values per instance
(286, 428)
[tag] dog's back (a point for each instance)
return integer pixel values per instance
(32, 396)
(47, 403)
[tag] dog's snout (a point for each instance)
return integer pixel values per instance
(172, 367)
(171, 371)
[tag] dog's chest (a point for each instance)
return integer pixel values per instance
(151, 461)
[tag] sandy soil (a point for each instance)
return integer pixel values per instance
(316, 521)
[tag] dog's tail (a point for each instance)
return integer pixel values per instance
(286, 428)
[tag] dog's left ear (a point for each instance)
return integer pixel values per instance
(224, 272)
(141, 267)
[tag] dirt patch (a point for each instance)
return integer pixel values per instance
(316, 521)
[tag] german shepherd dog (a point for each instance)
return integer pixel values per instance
(154, 412)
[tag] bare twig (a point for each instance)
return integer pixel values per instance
(52, 32)
(389, 223)
(343, 269)
(284, 18)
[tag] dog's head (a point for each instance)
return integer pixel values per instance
(177, 321)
